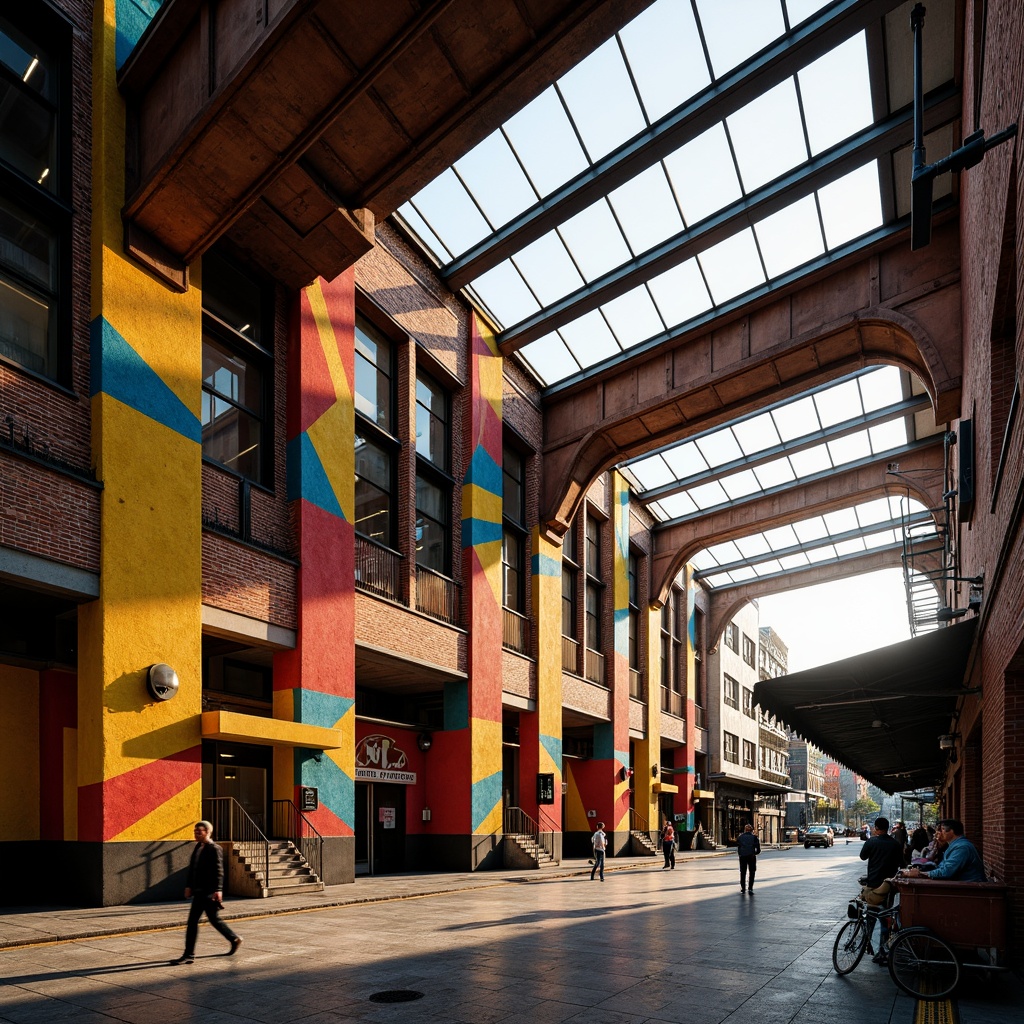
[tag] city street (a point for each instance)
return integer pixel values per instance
(646, 945)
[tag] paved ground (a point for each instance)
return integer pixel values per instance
(647, 946)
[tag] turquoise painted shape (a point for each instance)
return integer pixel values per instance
(456, 705)
(307, 478)
(337, 789)
(620, 630)
(484, 472)
(116, 369)
(486, 796)
(545, 565)
(604, 742)
(312, 707)
(553, 745)
(132, 18)
(476, 532)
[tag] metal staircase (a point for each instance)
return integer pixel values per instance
(528, 844)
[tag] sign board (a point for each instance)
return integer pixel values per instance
(309, 798)
(387, 816)
(546, 788)
(379, 758)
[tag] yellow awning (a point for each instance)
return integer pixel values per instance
(267, 732)
(664, 787)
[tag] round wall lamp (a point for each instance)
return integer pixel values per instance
(162, 681)
(424, 741)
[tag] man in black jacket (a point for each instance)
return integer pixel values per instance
(884, 855)
(205, 888)
(748, 847)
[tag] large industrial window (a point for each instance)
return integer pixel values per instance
(513, 533)
(433, 485)
(594, 586)
(35, 186)
(237, 369)
(376, 444)
(731, 747)
(731, 692)
(570, 571)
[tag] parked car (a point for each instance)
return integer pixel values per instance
(791, 834)
(818, 835)
(837, 830)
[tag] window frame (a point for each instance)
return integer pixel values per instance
(513, 530)
(432, 475)
(728, 747)
(730, 691)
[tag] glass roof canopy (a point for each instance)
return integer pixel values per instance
(709, 153)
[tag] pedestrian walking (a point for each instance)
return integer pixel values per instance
(748, 846)
(600, 844)
(206, 889)
(668, 844)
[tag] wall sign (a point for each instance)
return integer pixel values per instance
(309, 798)
(380, 759)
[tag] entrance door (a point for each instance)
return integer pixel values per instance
(380, 828)
(240, 771)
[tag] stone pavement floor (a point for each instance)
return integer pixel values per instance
(646, 946)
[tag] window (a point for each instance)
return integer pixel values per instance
(731, 747)
(237, 368)
(594, 587)
(748, 702)
(433, 485)
(376, 445)
(731, 692)
(513, 536)
(749, 754)
(732, 637)
(749, 651)
(569, 577)
(35, 211)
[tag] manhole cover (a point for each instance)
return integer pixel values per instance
(399, 995)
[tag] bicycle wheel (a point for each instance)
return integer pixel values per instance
(849, 946)
(923, 965)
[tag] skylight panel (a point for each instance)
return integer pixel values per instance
(810, 461)
(652, 472)
(780, 537)
(678, 505)
(827, 553)
(790, 237)
(704, 560)
(725, 553)
(768, 136)
(633, 317)
(722, 579)
(851, 206)
(742, 573)
(737, 29)
(836, 94)
(547, 268)
(871, 512)
(602, 100)
(545, 142)
(657, 510)
(809, 530)
(886, 436)
(756, 434)
(795, 561)
(595, 240)
(881, 540)
(685, 460)
(849, 448)
(497, 182)
(773, 474)
(425, 232)
(646, 209)
(838, 403)
(754, 545)
(708, 495)
(853, 546)
(800, 10)
(840, 520)
(719, 447)
(504, 291)
(739, 485)
(680, 293)
(590, 339)
(666, 56)
(881, 387)
(732, 267)
(453, 216)
(549, 359)
(796, 419)
(703, 175)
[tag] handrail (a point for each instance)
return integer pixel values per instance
(637, 822)
(291, 824)
(518, 822)
(232, 824)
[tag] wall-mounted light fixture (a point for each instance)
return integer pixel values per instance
(948, 741)
(162, 681)
(424, 741)
(625, 773)
(655, 771)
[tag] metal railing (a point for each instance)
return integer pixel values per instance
(595, 666)
(232, 824)
(377, 568)
(637, 822)
(435, 595)
(291, 824)
(518, 822)
(515, 630)
(636, 684)
(570, 655)
(672, 702)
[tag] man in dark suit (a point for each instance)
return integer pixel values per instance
(205, 888)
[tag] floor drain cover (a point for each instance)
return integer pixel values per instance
(399, 995)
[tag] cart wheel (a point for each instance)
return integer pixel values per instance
(923, 965)
(850, 944)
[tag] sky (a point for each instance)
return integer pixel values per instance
(837, 620)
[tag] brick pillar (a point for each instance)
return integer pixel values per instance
(315, 683)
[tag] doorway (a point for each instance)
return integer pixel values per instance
(379, 828)
(243, 772)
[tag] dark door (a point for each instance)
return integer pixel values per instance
(388, 853)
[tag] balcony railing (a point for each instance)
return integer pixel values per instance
(515, 631)
(436, 595)
(673, 703)
(595, 666)
(377, 568)
(570, 655)
(636, 684)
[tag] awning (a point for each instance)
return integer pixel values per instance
(880, 713)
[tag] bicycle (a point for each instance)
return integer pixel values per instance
(854, 938)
